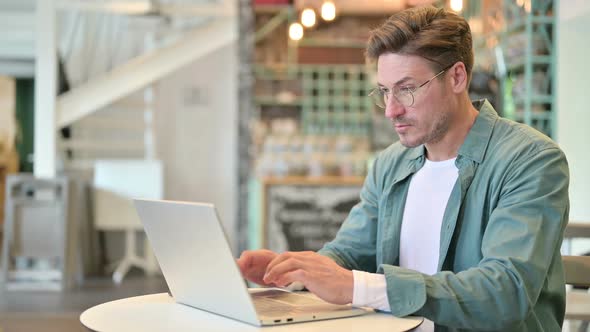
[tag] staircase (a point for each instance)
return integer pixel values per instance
(123, 130)
(112, 56)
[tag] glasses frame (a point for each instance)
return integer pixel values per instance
(380, 95)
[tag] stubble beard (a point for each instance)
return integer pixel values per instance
(436, 135)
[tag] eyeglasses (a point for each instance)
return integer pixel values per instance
(404, 96)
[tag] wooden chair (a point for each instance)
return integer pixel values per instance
(576, 230)
(577, 273)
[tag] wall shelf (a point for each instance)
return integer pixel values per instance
(528, 48)
(536, 60)
(521, 24)
(534, 99)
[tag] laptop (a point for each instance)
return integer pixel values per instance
(193, 252)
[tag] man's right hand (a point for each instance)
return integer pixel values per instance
(253, 264)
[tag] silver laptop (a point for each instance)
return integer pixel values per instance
(194, 255)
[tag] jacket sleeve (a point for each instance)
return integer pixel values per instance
(520, 243)
(354, 247)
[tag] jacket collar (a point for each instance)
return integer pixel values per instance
(478, 138)
(416, 152)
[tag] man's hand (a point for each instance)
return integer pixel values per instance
(253, 265)
(320, 275)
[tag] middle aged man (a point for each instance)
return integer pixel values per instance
(460, 221)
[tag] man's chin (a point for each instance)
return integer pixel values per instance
(409, 144)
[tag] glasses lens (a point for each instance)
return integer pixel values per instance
(378, 98)
(405, 97)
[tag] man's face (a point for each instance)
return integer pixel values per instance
(428, 119)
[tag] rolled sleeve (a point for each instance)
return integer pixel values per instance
(370, 290)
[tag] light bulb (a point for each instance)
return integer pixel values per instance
(308, 17)
(295, 31)
(457, 5)
(328, 11)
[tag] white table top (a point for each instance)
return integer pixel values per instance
(159, 312)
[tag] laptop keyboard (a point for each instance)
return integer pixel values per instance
(269, 307)
(279, 302)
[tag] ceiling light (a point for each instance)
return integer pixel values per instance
(295, 31)
(457, 5)
(308, 17)
(328, 11)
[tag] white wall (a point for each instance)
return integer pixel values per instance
(196, 134)
(573, 100)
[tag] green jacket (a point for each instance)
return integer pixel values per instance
(500, 265)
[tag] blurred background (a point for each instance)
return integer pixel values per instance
(257, 106)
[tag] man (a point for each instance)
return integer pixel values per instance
(460, 221)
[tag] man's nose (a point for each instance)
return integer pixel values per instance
(394, 108)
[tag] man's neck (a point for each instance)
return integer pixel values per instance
(448, 147)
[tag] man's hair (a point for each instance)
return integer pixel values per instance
(440, 36)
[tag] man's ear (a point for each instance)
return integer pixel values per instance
(459, 77)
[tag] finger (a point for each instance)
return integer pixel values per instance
(287, 255)
(304, 259)
(279, 259)
(291, 263)
(255, 258)
(299, 276)
(244, 262)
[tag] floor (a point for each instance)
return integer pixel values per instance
(22, 311)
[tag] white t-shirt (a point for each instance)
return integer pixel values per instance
(429, 192)
(428, 195)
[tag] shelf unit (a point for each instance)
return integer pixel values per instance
(331, 99)
(335, 100)
(528, 48)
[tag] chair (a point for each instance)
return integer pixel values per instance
(575, 230)
(116, 182)
(577, 273)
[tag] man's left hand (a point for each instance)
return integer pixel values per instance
(320, 275)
